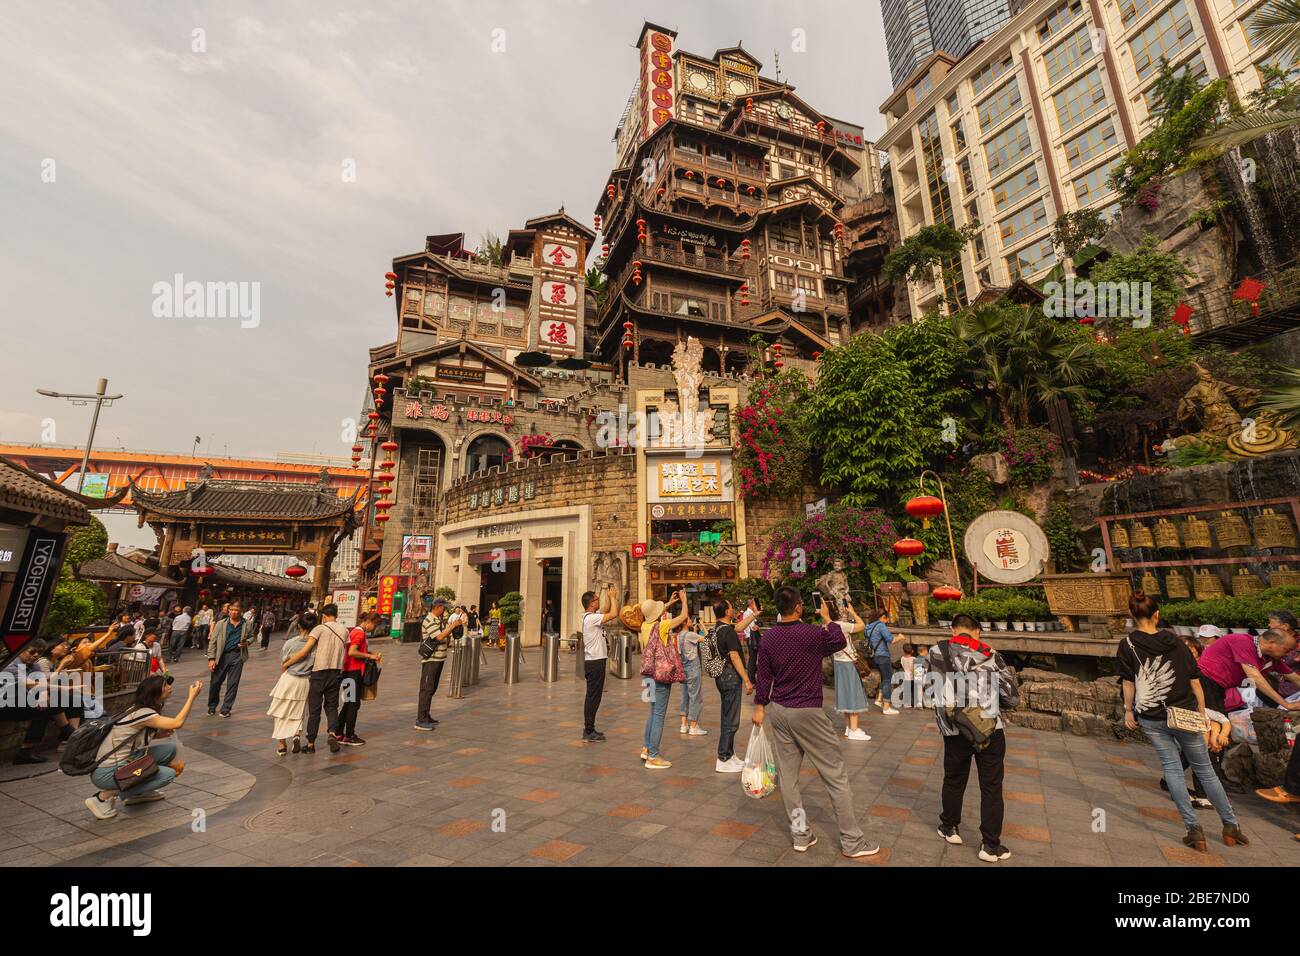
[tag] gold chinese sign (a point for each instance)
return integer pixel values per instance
(685, 479)
(716, 510)
(243, 536)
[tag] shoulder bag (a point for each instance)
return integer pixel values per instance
(661, 662)
(1176, 718)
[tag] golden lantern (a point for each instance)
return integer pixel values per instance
(1150, 583)
(1141, 536)
(1196, 533)
(1243, 582)
(1167, 534)
(1231, 531)
(1119, 537)
(1176, 585)
(1208, 586)
(1273, 530)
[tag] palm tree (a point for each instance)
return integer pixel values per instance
(1277, 26)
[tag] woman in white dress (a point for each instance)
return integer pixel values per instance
(289, 695)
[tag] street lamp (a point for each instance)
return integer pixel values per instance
(100, 399)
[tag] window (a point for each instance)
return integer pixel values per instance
(999, 106)
(1130, 11)
(784, 239)
(1007, 147)
(1089, 188)
(933, 162)
(972, 212)
(981, 252)
(1163, 37)
(686, 146)
(786, 172)
(1022, 224)
(785, 281)
(1064, 58)
(1010, 191)
(1092, 143)
(719, 154)
(486, 451)
(1194, 63)
(953, 108)
(1083, 98)
(967, 180)
(985, 77)
(958, 136)
(808, 284)
(924, 86)
(1031, 259)
(1058, 18)
(985, 279)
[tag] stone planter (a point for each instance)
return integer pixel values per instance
(1000, 625)
(945, 624)
(986, 626)
(1017, 625)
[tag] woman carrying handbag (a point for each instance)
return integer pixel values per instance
(661, 667)
(850, 672)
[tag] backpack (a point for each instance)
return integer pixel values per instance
(79, 755)
(972, 724)
(711, 662)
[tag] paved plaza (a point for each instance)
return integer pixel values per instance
(505, 781)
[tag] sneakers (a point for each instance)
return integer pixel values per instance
(352, 740)
(223, 714)
(424, 724)
(596, 736)
(698, 732)
(858, 734)
(645, 754)
(949, 834)
(26, 756)
(152, 796)
(991, 854)
(684, 729)
(657, 763)
(309, 747)
(812, 842)
(889, 711)
(335, 744)
(102, 809)
(1278, 795)
(870, 849)
(1202, 803)
(212, 711)
(731, 765)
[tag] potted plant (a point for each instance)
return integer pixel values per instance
(509, 605)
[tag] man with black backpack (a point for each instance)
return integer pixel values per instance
(720, 659)
(969, 683)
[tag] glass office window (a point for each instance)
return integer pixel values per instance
(1010, 191)
(1005, 149)
(1083, 98)
(1093, 142)
(1163, 37)
(1023, 224)
(999, 106)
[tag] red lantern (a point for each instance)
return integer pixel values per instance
(690, 174)
(816, 355)
(386, 465)
(610, 190)
(381, 516)
(596, 219)
(660, 191)
(628, 326)
(604, 250)
(720, 181)
(924, 507)
(751, 190)
(1183, 314)
(636, 278)
(384, 490)
(390, 275)
(389, 293)
(373, 416)
(381, 379)
(1249, 291)
(1087, 320)
(908, 548)
(749, 104)
(389, 446)
(640, 223)
(821, 128)
(945, 593)
(389, 285)
(383, 504)
(294, 571)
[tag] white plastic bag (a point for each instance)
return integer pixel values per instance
(758, 779)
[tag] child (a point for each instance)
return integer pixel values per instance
(908, 662)
(850, 696)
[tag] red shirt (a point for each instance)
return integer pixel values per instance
(357, 639)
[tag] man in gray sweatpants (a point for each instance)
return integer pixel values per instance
(788, 696)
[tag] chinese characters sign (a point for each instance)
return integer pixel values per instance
(241, 536)
(558, 255)
(689, 478)
(657, 82)
(1007, 548)
(715, 510)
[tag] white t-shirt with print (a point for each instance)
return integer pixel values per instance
(593, 637)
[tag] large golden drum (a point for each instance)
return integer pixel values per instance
(1273, 530)
(1231, 531)
(1207, 584)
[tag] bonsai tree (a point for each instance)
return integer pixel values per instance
(509, 605)
(447, 593)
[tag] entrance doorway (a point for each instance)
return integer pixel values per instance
(553, 592)
(494, 584)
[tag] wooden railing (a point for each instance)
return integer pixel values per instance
(1220, 319)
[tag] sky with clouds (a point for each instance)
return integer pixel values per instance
(227, 165)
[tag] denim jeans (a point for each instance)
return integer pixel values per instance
(163, 751)
(692, 690)
(178, 642)
(885, 667)
(1169, 743)
(654, 724)
(729, 688)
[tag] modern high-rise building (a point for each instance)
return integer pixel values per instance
(1030, 125)
(914, 29)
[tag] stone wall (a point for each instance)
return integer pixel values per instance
(765, 513)
(1052, 701)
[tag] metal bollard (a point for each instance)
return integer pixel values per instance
(473, 657)
(514, 657)
(550, 658)
(455, 669)
(620, 655)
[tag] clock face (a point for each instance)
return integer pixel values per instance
(784, 111)
(737, 86)
(699, 81)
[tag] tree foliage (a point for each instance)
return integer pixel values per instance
(73, 603)
(1169, 148)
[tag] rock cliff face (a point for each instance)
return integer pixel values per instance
(1051, 701)
(1210, 252)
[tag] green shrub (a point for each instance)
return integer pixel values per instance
(509, 605)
